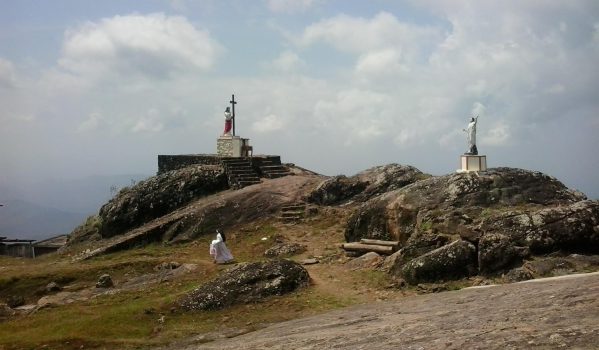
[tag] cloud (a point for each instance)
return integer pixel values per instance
(360, 35)
(380, 62)
(497, 135)
(150, 123)
(7, 73)
(267, 124)
(290, 6)
(154, 46)
(287, 61)
(91, 123)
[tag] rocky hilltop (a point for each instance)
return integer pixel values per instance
(411, 233)
(448, 227)
(464, 224)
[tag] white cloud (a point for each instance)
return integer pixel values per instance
(361, 36)
(354, 115)
(498, 134)
(91, 123)
(380, 62)
(287, 61)
(478, 109)
(7, 73)
(153, 45)
(267, 124)
(150, 123)
(289, 6)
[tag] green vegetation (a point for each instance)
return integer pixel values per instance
(129, 319)
(425, 226)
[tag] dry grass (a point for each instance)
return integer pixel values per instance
(129, 319)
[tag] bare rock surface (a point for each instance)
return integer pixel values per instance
(365, 184)
(284, 249)
(370, 260)
(220, 210)
(509, 215)
(540, 314)
(159, 195)
(451, 261)
(247, 282)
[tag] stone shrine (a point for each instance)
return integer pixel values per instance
(233, 154)
(230, 145)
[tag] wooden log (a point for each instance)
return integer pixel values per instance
(393, 244)
(359, 247)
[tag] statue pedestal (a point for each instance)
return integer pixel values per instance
(233, 146)
(473, 163)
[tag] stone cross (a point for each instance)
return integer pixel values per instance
(233, 103)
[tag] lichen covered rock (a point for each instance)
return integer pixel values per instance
(284, 249)
(158, 196)
(455, 260)
(245, 283)
(364, 185)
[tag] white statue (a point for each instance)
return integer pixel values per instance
(471, 132)
(228, 121)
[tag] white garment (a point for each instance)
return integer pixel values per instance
(471, 130)
(219, 250)
(228, 116)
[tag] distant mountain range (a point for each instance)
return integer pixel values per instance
(52, 207)
(25, 220)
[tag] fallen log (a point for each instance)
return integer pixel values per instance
(365, 248)
(394, 244)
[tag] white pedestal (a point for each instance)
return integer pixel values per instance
(232, 146)
(473, 163)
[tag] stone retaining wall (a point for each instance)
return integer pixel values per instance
(178, 161)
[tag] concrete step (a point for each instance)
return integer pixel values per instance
(236, 165)
(293, 207)
(241, 170)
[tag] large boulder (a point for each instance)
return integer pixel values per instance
(455, 260)
(284, 249)
(454, 203)
(497, 251)
(364, 185)
(246, 283)
(157, 196)
(335, 190)
(573, 227)
(385, 178)
(507, 214)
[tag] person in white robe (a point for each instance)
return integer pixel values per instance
(219, 251)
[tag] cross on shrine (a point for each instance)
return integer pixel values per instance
(233, 103)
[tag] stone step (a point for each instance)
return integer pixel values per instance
(238, 164)
(293, 206)
(296, 217)
(292, 214)
(241, 170)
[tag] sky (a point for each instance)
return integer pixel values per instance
(336, 86)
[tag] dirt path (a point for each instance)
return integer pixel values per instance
(545, 314)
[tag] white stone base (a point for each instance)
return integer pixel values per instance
(232, 146)
(473, 163)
